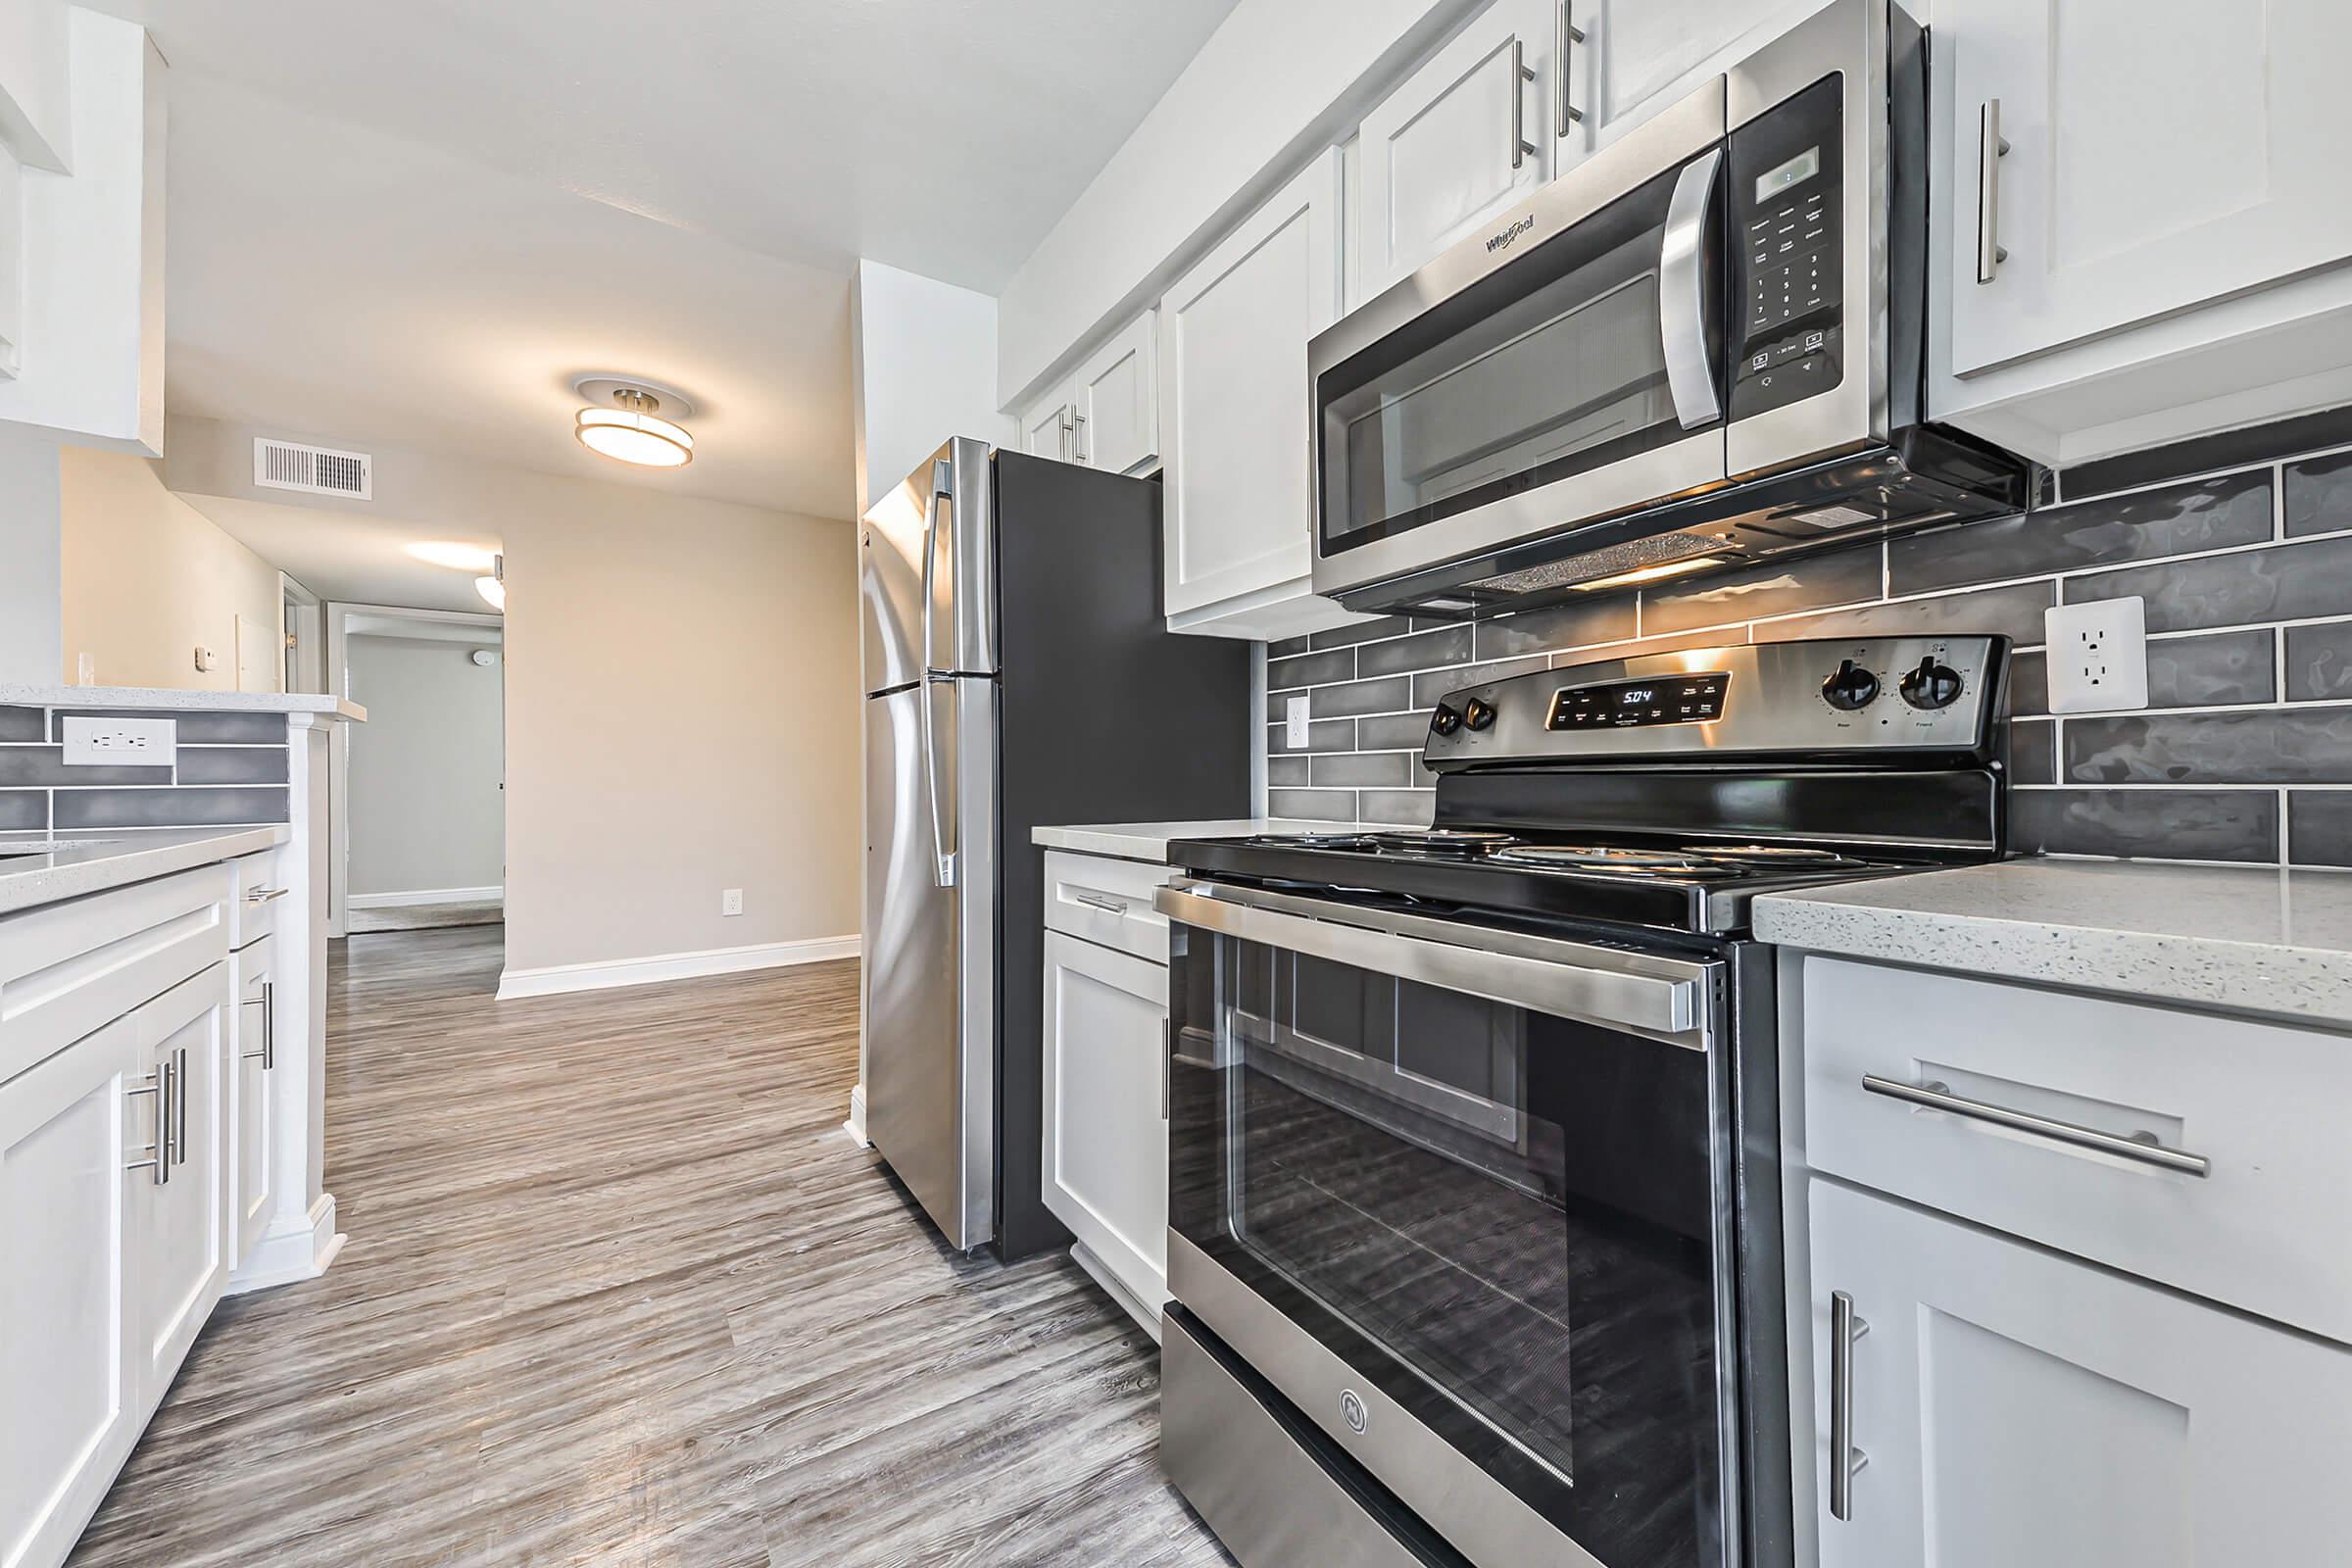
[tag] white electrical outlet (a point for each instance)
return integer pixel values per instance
(730, 902)
(120, 742)
(2097, 656)
(1293, 724)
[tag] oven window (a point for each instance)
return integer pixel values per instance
(1503, 1218)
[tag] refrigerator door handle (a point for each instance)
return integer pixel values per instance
(944, 859)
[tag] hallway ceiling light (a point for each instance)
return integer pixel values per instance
(630, 429)
(493, 588)
(456, 557)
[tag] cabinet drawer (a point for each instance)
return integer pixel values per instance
(2262, 1105)
(71, 968)
(259, 895)
(1109, 902)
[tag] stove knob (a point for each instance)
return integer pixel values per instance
(1445, 721)
(1479, 713)
(1930, 686)
(1852, 688)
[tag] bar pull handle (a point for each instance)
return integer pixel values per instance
(1069, 431)
(155, 1083)
(943, 864)
(266, 895)
(1991, 148)
(268, 1002)
(1167, 1063)
(1846, 1460)
(1565, 36)
(2141, 1147)
(1096, 901)
(1078, 436)
(1521, 75)
(1682, 294)
(180, 1105)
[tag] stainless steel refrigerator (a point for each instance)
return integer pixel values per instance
(1018, 672)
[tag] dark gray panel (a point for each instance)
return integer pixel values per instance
(2318, 827)
(2028, 684)
(1775, 588)
(2141, 526)
(232, 764)
(23, 724)
(27, 766)
(1449, 645)
(2287, 582)
(23, 810)
(1311, 669)
(1394, 732)
(2272, 746)
(1327, 805)
(1390, 693)
(1362, 632)
(1411, 808)
(2210, 454)
(2156, 824)
(2013, 611)
(1569, 625)
(2033, 753)
(2318, 661)
(193, 726)
(1287, 771)
(2319, 493)
(1437, 684)
(180, 807)
(1365, 770)
(1322, 735)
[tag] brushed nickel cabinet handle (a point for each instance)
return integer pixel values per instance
(154, 1083)
(1846, 1460)
(1078, 436)
(268, 1002)
(1991, 150)
(180, 1105)
(266, 895)
(2141, 1146)
(1565, 36)
(1520, 77)
(1096, 901)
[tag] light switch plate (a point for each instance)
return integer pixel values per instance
(2097, 656)
(1294, 732)
(120, 742)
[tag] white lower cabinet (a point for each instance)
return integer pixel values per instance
(1107, 1130)
(179, 1231)
(2014, 1407)
(252, 974)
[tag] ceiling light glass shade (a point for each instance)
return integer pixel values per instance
(456, 557)
(632, 437)
(493, 591)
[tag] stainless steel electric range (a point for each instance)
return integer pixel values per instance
(1474, 1226)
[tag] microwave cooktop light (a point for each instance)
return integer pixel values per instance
(631, 432)
(1671, 568)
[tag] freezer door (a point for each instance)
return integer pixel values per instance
(929, 1068)
(927, 572)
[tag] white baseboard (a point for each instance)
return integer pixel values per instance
(288, 1252)
(855, 1125)
(561, 977)
(1148, 1317)
(402, 901)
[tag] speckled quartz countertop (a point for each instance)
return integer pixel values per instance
(1148, 841)
(165, 699)
(2244, 938)
(92, 862)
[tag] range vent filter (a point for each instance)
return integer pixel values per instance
(312, 470)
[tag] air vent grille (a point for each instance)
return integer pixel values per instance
(312, 470)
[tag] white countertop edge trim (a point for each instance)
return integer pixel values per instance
(127, 860)
(186, 701)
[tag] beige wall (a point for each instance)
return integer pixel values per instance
(426, 809)
(147, 578)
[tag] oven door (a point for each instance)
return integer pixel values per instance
(1462, 1195)
(1568, 366)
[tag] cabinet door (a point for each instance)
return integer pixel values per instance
(252, 1115)
(1049, 426)
(181, 1230)
(1106, 1129)
(2160, 157)
(1118, 401)
(68, 1393)
(1234, 394)
(1460, 140)
(2023, 1409)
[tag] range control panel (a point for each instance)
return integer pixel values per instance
(1788, 245)
(1692, 699)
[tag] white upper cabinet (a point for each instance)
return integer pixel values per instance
(1049, 426)
(2159, 156)
(1117, 397)
(1234, 393)
(1460, 139)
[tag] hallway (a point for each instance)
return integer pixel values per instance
(619, 1290)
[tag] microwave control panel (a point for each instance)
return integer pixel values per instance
(1785, 172)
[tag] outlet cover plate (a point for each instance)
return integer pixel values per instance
(2097, 656)
(1294, 731)
(730, 902)
(120, 742)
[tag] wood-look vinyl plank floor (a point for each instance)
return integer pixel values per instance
(619, 1290)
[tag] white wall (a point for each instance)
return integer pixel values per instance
(29, 545)
(923, 368)
(426, 809)
(146, 578)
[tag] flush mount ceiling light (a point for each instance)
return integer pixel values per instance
(493, 588)
(625, 420)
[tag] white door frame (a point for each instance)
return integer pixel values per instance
(302, 615)
(343, 621)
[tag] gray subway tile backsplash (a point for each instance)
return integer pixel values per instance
(2143, 525)
(1775, 588)
(1428, 689)
(23, 724)
(232, 764)
(44, 768)
(2292, 581)
(1365, 770)
(2244, 746)
(1322, 735)
(2033, 753)
(2013, 611)
(193, 727)
(2318, 827)
(1405, 807)
(2318, 661)
(2319, 495)
(1391, 694)
(1311, 669)
(23, 811)
(2148, 824)
(1577, 624)
(1288, 772)
(1427, 650)
(1327, 805)
(1393, 732)
(1361, 631)
(168, 807)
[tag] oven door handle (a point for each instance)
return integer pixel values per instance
(1682, 294)
(1650, 1004)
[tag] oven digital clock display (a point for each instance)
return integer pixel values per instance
(1693, 699)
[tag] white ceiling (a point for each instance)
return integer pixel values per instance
(356, 557)
(415, 223)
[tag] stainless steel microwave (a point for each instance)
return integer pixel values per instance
(1702, 345)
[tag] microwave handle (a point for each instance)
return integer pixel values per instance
(1682, 294)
